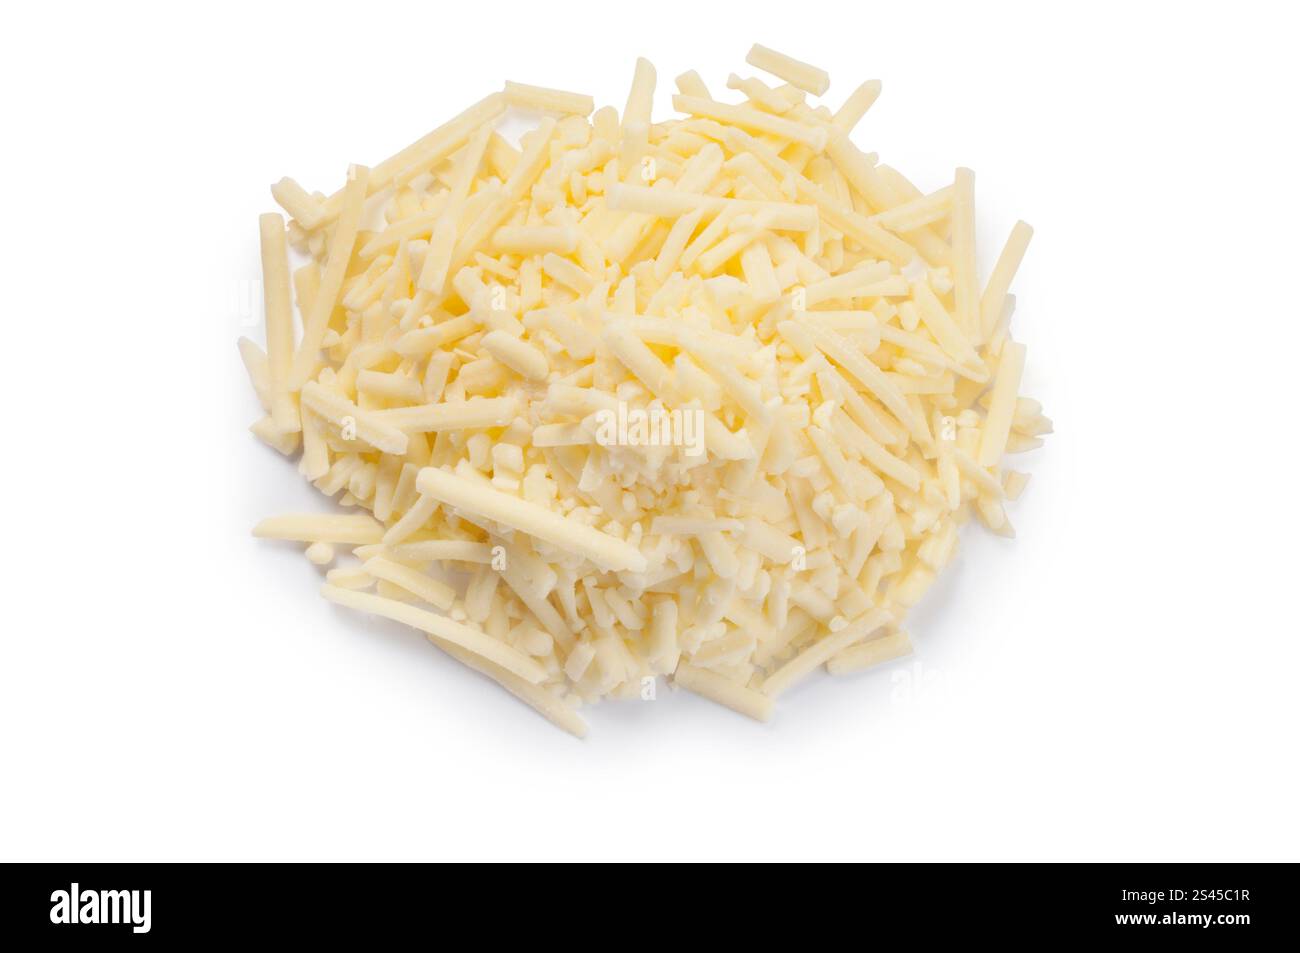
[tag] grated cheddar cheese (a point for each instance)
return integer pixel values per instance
(705, 398)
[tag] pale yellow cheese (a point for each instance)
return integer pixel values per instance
(723, 691)
(548, 100)
(605, 551)
(353, 528)
(797, 74)
(279, 320)
(316, 321)
(463, 636)
(866, 654)
(707, 398)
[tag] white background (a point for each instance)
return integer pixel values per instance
(1117, 683)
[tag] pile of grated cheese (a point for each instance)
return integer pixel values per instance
(705, 398)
